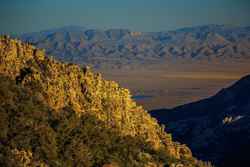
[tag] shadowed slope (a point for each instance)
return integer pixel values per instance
(217, 128)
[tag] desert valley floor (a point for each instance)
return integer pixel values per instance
(154, 89)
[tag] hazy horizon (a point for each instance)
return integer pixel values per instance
(150, 16)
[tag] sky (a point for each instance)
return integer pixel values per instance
(20, 16)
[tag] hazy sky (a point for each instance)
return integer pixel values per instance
(140, 15)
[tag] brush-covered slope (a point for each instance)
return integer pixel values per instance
(54, 114)
(216, 129)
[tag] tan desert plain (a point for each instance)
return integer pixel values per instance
(171, 84)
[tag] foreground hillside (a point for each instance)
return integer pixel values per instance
(121, 48)
(216, 129)
(54, 114)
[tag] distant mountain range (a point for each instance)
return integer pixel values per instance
(217, 128)
(118, 48)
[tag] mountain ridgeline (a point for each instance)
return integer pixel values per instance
(216, 129)
(121, 48)
(55, 114)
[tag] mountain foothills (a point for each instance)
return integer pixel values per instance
(216, 129)
(55, 114)
(121, 48)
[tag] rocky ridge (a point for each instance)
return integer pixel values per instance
(55, 114)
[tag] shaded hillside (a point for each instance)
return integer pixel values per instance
(216, 129)
(119, 48)
(54, 114)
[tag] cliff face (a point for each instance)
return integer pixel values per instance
(216, 129)
(55, 114)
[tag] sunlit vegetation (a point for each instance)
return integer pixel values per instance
(54, 114)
